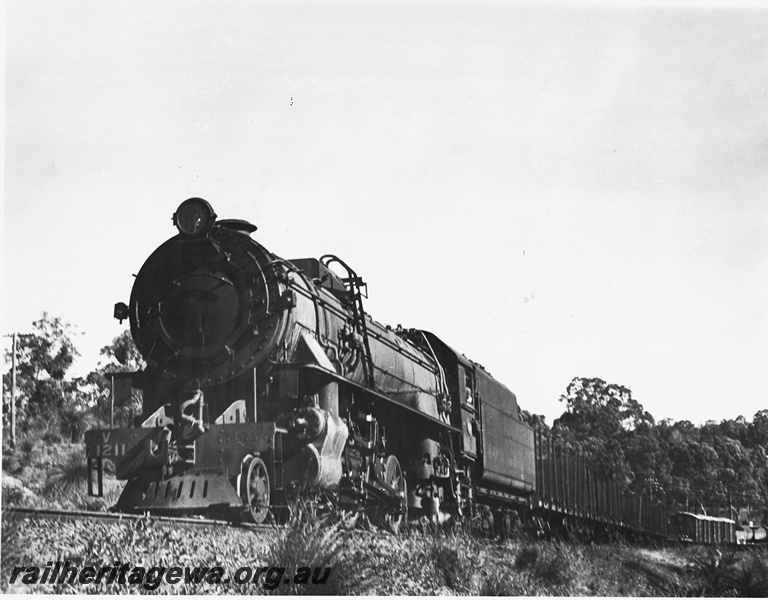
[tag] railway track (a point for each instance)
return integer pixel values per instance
(20, 514)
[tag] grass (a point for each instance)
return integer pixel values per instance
(661, 581)
(456, 562)
(547, 564)
(69, 474)
(319, 544)
(749, 577)
(418, 562)
(23, 455)
(728, 574)
(53, 476)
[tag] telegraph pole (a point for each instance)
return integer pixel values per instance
(14, 350)
(112, 403)
(13, 391)
(730, 503)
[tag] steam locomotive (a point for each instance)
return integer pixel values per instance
(266, 382)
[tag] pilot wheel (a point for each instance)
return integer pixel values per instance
(255, 490)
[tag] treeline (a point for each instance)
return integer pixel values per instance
(720, 468)
(51, 406)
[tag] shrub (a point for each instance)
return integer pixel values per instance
(499, 582)
(662, 582)
(718, 574)
(319, 543)
(112, 490)
(19, 496)
(52, 436)
(748, 578)
(73, 423)
(527, 557)
(12, 547)
(14, 461)
(27, 445)
(548, 564)
(68, 475)
(453, 565)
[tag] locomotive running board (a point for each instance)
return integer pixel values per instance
(364, 390)
(488, 493)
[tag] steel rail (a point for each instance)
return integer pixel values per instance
(19, 514)
(14, 513)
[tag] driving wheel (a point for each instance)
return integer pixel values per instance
(394, 478)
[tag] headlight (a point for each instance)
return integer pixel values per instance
(194, 217)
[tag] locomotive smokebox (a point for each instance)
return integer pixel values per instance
(207, 303)
(197, 313)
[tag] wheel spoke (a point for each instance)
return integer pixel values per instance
(393, 477)
(257, 490)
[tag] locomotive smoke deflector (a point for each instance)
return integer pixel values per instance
(194, 217)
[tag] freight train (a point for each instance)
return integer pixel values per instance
(267, 382)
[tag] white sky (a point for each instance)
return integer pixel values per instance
(555, 191)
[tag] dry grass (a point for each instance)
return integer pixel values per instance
(54, 476)
(417, 562)
(68, 474)
(321, 545)
(421, 563)
(727, 573)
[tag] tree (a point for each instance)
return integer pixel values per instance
(646, 453)
(598, 419)
(714, 467)
(758, 430)
(594, 407)
(123, 350)
(43, 359)
(123, 357)
(74, 422)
